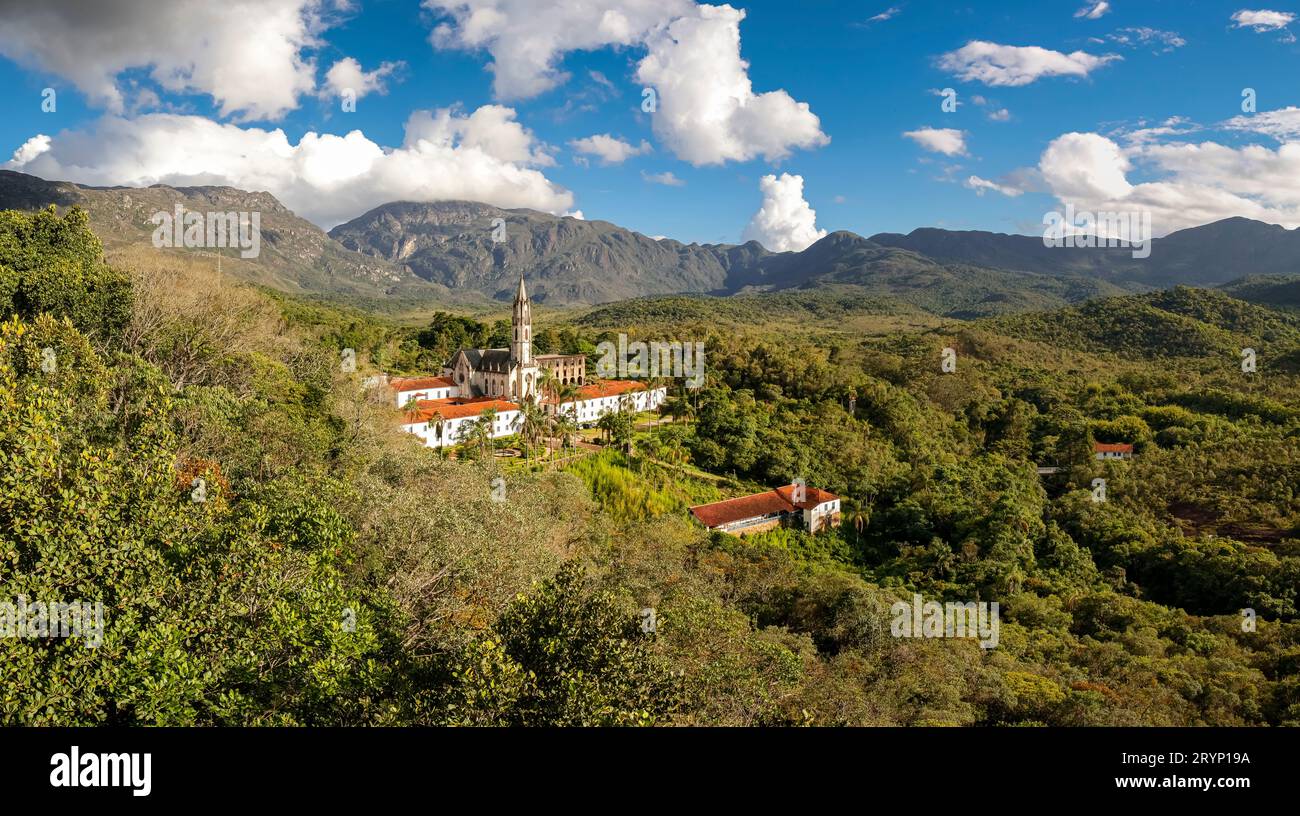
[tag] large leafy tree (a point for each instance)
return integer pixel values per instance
(564, 655)
(55, 265)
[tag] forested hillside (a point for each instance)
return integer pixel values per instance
(270, 549)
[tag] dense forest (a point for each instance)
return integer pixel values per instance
(331, 570)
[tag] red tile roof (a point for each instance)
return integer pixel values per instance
(416, 383)
(759, 504)
(606, 388)
(812, 496)
(1106, 447)
(457, 408)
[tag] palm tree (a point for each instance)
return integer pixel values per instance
(565, 427)
(482, 431)
(651, 385)
(533, 424)
(679, 408)
(566, 393)
(548, 383)
(436, 422)
(606, 424)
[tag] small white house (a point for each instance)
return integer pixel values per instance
(1104, 450)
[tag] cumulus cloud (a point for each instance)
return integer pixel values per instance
(491, 129)
(948, 141)
(528, 38)
(784, 222)
(707, 111)
(346, 75)
(484, 156)
(1196, 184)
(30, 149)
(246, 54)
(1263, 19)
(994, 64)
(609, 149)
(1093, 11)
(665, 178)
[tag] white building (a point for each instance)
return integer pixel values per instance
(443, 423)
(1104, 450)
(606, 397)
(793, 505)
(422, 388)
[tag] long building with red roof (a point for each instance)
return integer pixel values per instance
(808, 508)
(444, 422)
(607, 396)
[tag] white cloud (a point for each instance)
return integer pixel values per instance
(784, 222)
(1093, 11)
(665, 178)
(707, 111)
(33, 147)
(889, 13)
(980, 186)
(609, 149)
(994, 64)
(1173, 126)
(484, 156)
(1282, 124)
(528, 38)
(1263, 20)
(246, 54)
(346, 75)
(1134, 36)
(1000, 115)
(491, 128)
(1197, 183)
(948, 141)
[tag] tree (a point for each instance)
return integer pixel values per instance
(547, 383)
(564, 427)
(55, 265)
(564, 656)
(532, 423)
(482, 431)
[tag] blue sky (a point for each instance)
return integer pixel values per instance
(1150, 90)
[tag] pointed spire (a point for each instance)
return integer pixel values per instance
(522, 295)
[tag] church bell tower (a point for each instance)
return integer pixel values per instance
(521, 344)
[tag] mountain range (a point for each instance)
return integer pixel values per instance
(460, 251)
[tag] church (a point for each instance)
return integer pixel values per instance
(441, 410)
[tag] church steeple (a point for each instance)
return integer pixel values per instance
(521, 344)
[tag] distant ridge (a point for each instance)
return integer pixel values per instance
(468, 252)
